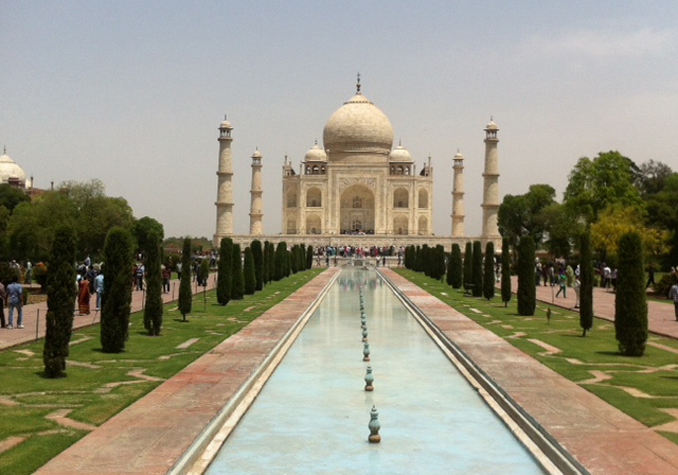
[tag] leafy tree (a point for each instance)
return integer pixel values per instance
(505, 272)
(651, 178)
(224, 271)
(117, 296)
(477, 269)
(586, 282)
(562, 229)
(527, 291)
(60, 302)
(488, 277)
(153, 307)
(250, 280)
(596, 184)
(520, 215)
(454, 267)
(258, 255)
(630, 316)
(309, 257)
(142, 229)
(185, 294)
(237, 282)
(10, 197)
(468, 266)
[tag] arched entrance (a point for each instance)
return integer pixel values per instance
(357, 210)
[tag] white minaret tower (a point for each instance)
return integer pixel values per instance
(255, 192)
(458, 196)
(224, 201)
(491, 183)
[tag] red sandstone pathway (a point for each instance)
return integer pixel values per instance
(601, 437)
(34, 315)
(661, 315)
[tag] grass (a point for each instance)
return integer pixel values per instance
(654, 374)
(90, 388)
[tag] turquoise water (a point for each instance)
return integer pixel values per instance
(312, 415)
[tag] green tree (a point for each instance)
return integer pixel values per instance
(185, 294)
(488, 277)
(651, 178)
(527, 291)
(586, 282)
(258, 255)
(237, 278)
(271, 261)
(224, 271)
(60, 302)
(153, 307)
(293, 259)
(630, 316)
(477, 269)
(142, 229)
(117, 296)
(596, 184)
(468, 266)
(266, 263)
(454, 267)
(309, 257)
(280, 257)
(10, 197)
(249, 277)
(520, 215)
(505, 272)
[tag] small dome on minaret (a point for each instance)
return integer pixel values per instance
(491, 125)
(400, 154)
(315, 154)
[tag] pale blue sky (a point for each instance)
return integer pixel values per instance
(132, 92)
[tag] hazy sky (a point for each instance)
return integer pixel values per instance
(132, 92)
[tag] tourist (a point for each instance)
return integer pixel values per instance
(83, 296)
(14, 291)
(140, 270)
(650, 279)
(577, 287)
(562, 278)
(166, 276)
(99, 287)
(673, 294)
(3, 297)
(613, 279)
(29, 273)
(607, 276)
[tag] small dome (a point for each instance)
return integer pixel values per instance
(9, 169)
(315, 154)
(458, 156)
(491, 126)
(400, 154)
(358, 127)
(225, 125)
(256, 154)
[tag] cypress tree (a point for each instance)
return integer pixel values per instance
(309, 257)
(630, 315)
(468, 266)
(488, 277)
(505, 272)
(527, 292)
(477, 269)
(294, 259)
(249, 273)
(237, 282)
(585, 282)
(271, 262)
(287, 260)
(280, 252)
(267, 257)
(204, 271)
(60, 302)
(117, 297)
(185, 294)
(258, 255)
(454, 268)
(439, 262)
(224, 271)
(153, 307)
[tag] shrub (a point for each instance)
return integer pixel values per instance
(224, 271)
(185, 294)
(40, 274)
(477, 269)
(527, 292)
(258, 255)
(309, 257)
(117, 296)
(488, 277)
(454, 267)
(249, 277)
(237, 282)
(153, 306)
(60, 302)
(586, 282)
(505, 272)
(280, 258)
(630, 316)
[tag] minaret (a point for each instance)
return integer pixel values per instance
(458, 196)
(224, 201)
(255, 192)
(491, 183)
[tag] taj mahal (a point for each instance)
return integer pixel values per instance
(357, 188)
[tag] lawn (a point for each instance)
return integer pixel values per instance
(99, 385)
(640, 387)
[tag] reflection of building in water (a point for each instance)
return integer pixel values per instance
(357, 184)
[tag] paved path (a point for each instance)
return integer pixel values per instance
(34, 315)
(661, 315)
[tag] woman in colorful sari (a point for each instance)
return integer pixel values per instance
(83, 296)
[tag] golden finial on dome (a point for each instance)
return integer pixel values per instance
(358, 85)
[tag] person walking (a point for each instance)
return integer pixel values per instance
(673, 295)
(577, 287)
(3, 298)
(562, 279)
(14, 291)
(99, 288)
(650, 278)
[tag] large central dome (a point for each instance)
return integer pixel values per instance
(358, 127)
